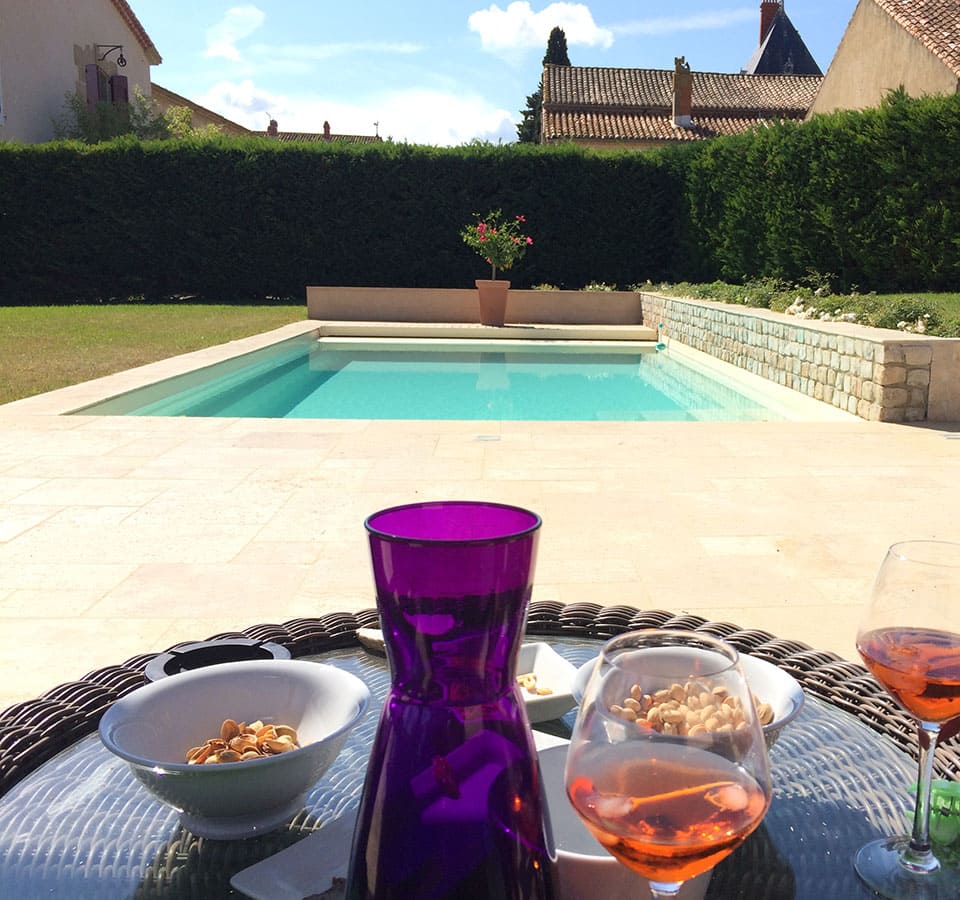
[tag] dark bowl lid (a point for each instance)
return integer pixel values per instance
(210, 653)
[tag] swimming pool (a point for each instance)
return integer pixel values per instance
(335, 378)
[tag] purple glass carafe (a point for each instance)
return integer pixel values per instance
(452, 803)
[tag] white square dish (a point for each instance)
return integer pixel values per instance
(553, 673)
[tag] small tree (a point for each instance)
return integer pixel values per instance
(528, 130)
(141, 117)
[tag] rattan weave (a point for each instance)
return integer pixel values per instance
(74, 823)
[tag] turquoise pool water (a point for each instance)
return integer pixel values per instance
(340, 379)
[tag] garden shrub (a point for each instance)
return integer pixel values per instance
(869, 197)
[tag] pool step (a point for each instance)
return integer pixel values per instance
(520, 331)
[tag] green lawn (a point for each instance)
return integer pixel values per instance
(47, 347)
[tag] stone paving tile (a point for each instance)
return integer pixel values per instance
(120, 536)
(194, 590)
(18, 521)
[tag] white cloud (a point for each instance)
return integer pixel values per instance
(242, 102)
(721, 18)
(423, 116)
(419, 116)
(518, 27)
(238, 23)
(315, 52)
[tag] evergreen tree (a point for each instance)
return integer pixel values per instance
(528, 130)
(556, 49)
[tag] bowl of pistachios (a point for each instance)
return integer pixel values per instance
(236, 746)
(778, 699)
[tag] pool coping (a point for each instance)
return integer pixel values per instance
(790, 404)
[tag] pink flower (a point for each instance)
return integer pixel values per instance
(529, 240)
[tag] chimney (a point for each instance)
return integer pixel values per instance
(768, 11)
(326, 131)
(272, 128)
(682, 93)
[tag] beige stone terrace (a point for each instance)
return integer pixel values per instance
(126, 535)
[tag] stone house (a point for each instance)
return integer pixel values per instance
(889, 44)
(99, 50)
(50, 49)
(616, 108)
(607, 108)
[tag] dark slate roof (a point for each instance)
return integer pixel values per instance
(935, 23)
(782, 51)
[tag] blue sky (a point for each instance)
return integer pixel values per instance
(440, 72)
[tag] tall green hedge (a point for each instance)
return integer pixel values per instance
(871, 198)
(235, 219)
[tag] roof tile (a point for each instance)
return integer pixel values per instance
(935, 23)
(605, 89)
(133, 23)
(595, 126)
(286, 137)
(592, 103)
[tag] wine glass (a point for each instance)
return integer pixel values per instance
(909, 638)
(667, 765)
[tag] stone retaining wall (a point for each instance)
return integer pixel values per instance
(876, 374)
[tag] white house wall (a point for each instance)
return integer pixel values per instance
(44, 46)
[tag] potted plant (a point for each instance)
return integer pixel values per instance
(501, 243)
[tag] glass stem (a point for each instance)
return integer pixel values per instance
(664, 889)
(918, 856)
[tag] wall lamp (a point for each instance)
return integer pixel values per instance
(108, 49)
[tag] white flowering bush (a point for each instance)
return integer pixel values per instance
(811, 311)
(814, 300)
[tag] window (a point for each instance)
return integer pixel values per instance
(102, 88)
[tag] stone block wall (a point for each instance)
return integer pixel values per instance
(876, 374)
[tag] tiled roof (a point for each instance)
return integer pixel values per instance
(581, 88)
(782, 51)
(935, 23)
(318, 137)
(133, 23)
(598, 126)
(158, 92)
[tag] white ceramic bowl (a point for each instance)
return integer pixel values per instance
(769, 683)
(153, 727)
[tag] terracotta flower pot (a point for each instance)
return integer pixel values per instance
(493, 301)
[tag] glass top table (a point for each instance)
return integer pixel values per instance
(81, 826)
